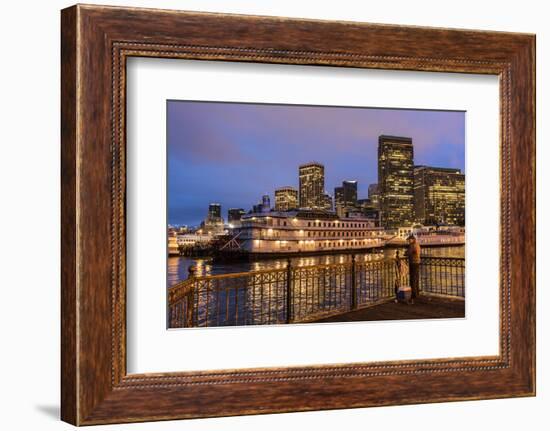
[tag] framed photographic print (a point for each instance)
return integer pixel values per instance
(314, 255)
(325, 214)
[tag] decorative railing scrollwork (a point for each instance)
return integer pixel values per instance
(301, 294)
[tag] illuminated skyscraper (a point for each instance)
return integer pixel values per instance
(350, 193)
(395, 180)
(286, 198)
(439, 195)
(235, 214)
(214, 220)
(339, 201)
(374, 195)
(345, 198)
(266, 204)
(312, 185)
(214, 211)
(327, 202)
(369, 210)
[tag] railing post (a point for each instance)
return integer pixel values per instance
(288, 291)
(189, 312)
(353, 284)
(419, 277)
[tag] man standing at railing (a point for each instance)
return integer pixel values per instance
(413, 254)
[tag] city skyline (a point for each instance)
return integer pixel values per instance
(235, 153)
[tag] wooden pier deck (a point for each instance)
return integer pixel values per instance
(425, 307)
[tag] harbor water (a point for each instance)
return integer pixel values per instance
(178, 266)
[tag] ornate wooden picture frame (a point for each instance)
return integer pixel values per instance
(96, 41)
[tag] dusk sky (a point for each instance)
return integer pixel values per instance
(234, 153)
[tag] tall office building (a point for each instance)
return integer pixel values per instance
(395, 180)
(214, 221)
(286, 199)
(266, 204)
(374, 195)
(369, 210)
(312, 185)
(214, 211)
(350, 193)
(327, 202)
(339, 201)
(345, 198)
(235, 214)
(439, 195)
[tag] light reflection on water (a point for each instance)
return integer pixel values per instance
(178, 266)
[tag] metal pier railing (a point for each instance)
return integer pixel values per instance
(301, 293)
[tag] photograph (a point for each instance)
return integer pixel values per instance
(290, 214)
